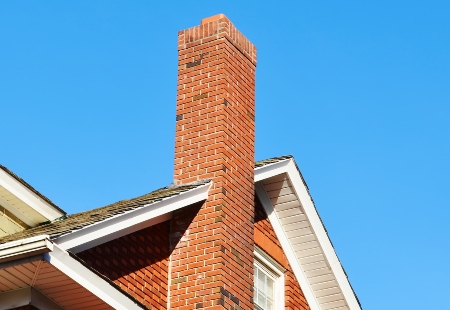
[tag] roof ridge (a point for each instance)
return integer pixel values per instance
(272, 160)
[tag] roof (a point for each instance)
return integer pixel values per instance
(79, 220)
(86, 218)
(31, 188)
(27, 264)
(272, 160)
(282, 191)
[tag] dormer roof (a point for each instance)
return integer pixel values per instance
(24, 203)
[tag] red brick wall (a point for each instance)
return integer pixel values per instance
(266, 239)
(137, 262)
(212, 265)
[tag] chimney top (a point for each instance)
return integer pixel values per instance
(212, 18)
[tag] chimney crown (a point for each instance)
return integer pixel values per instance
(212, 18)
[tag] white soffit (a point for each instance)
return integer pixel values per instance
(24, 203)
(129, 222)
(303, 237)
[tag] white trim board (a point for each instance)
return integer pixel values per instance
(270, 170)
(79, 273)
(128, 222)
(89, 280)
(325, 247)
(27, 196)
(18, 249)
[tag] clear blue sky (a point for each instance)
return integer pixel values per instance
(357, 91)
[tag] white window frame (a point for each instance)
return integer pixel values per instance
(266, 264)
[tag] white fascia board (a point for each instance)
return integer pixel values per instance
(65, 263)
(286, 246)
(128, 222)
(321, 234)
(270, 170)
(28, 197)
(89, 280)
(25, 247)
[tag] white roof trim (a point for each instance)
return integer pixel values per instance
(322, 235)
(271, 170)
(25, 247)
(125, 223)
(288, 166)
(29, 198)
(89, 280)
(61, 259)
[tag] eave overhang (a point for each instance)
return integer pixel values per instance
(25, 248)
(49, 269)
(24, 202)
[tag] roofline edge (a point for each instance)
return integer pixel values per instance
(131, 221)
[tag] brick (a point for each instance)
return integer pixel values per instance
(132, 266)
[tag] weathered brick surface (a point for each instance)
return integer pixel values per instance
(137, 262)
(212, 264)
(266, 239)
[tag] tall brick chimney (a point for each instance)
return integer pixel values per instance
(212, 244)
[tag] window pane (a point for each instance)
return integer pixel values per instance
(261, 281)
(270, 287)
(262, 300)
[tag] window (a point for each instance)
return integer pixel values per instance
(268, 283)
(264, 294)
